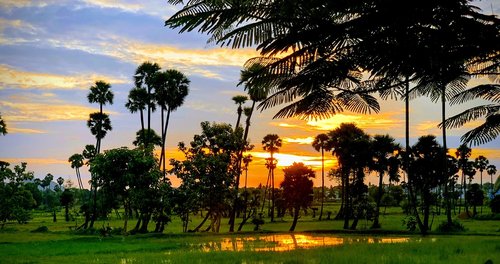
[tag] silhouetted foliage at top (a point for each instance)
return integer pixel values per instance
(329, 44)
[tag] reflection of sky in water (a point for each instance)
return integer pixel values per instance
(288, 242)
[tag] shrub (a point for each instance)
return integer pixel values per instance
(495, 204)
(41, 229)
(410, 222)
(454, 227)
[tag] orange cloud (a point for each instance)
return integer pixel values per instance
(300, 141)
(39, 112)
(13, 78)
(385, 121)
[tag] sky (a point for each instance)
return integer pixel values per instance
(52, 51)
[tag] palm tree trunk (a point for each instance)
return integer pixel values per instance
(445, 163)
(142, 128)
(376, 223)
(347, 211)
(272, 187)
(322, 182)
(296, 211)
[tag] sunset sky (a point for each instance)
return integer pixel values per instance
(51, 52)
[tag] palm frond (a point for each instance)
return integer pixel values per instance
(470, 115)
(484, 133)
(489, 92)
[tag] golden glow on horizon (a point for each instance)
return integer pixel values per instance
(285, 160)
(384, 121)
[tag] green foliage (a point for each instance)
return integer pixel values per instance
(410, 223)
(456, 226)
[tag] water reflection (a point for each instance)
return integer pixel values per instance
(286, 242)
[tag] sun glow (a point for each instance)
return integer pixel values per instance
(285, 160)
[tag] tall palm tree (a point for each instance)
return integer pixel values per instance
(492, 170)
(137, 100)
(347, 143)
(76, 161)
(3, 126)
(271, 143)
(99, 124)
(481, 163)
(100, 93)
(463, 154)
(321, 143)
(383, 148)
(257, 92)
(172, 87)
(239, 100)
(144, 79)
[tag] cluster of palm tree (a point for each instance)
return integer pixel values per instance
(356, 153)
(155, 88)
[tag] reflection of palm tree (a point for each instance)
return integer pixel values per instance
(3, 126)
(492, 170)
(321, 143)
(271, 143)
(172, 87)
(76, 161)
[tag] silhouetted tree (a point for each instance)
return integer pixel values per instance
(320, 143)
(297, 189)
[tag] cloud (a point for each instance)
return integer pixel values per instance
(10, 4)
(301, 141)
(385, 121)
(32, 161)
(208, 62)
(207, 107)
(41, 108)
(13, 78)
(156, 8)
(17, 130)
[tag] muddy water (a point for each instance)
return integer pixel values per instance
(286, 242)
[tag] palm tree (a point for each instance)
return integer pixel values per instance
(239, 100)
(384, 148)
(481, 163)
(99, 124)
(463, 154)
(349, 144)
(143, 136)
(491, 170)
(3, 126)
(100, 93)
(321, 143)
(137, 100)
(144, 79)
(246, 161)
(76, 161)
(271, 143)
(172, 87)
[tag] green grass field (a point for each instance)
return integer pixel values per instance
(313, 242)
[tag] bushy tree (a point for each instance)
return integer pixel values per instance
(208, 170)
(297, 189)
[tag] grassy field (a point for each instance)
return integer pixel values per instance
(313, 242)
